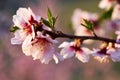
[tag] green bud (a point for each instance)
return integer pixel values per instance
(14, 29)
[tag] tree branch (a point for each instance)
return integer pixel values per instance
(59, 34)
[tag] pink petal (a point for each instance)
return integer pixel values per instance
(83, 55)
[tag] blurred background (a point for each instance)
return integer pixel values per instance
(14, 65)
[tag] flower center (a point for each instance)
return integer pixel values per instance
(103, 52)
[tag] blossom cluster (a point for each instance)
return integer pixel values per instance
(34, 43)
(38, 36)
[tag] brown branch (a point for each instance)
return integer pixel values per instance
(59, 34)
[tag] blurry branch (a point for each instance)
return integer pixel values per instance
(59, 34)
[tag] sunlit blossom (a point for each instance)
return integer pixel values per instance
(114, 54)
(116, 12)
(106, 4)
(69, 50)
(77, 19)
(78, 16)
(112, 24)
(42, 47)
(24, 20)
(118, 39)
(80, 30)
(101, 55)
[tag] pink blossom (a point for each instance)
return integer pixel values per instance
(80, 30)
(114, 54)
(24, 20)
(106, 4)
(78, 16)
(77, 19)
(112, 24)
(100, 55)
(116, 12)
(69, 50)
(42, 47)
(118, 39)
(117, 44)
(104, 54)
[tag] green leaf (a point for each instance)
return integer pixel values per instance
(14, 29)
(54, 20)
(51, 19)
(45, 22)
(49, 14)
(106, 14)
(88, 24)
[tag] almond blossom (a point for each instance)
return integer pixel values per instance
(106, 53)
(34, 43)
(79, 29)
(24, 20)
(101, 55)
(118, 39)
(78, 16)
(42, 47)
(116, 12)
(114, 54)
(69, 50)
(113, 24)
(106, 4)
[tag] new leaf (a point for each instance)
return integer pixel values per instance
(51, 19)
(13, 29)
(88, 24)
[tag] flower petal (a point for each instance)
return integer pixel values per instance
(26, 46)
(18, 39)
(114, 54)
(64, 44)
(67, 52)
(83, 55)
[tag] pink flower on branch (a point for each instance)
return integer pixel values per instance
(69, 50)
(77, 20)
(101, 55)
(114, 54)
(38, 40)
(116, 12)
(104, 54)
(33, 41)
(118, 38)
(24, 20)
(106, 4)
(42, 47)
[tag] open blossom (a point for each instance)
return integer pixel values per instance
(114, 54)
(117, 44)
(100, 55)
(69, 50)
(116, 12)
(79, 29)
(78, 16)
(34, 43)
(106, 4)
(42, 47)
(113, 24)
(77, 19)
(104, 54)
(24, 20)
